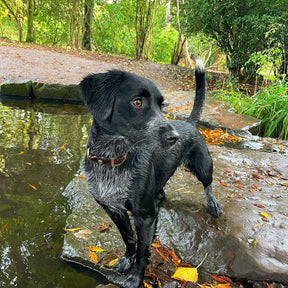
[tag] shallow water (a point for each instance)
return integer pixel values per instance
(41, 147)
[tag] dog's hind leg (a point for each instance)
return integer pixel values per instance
(122, 221)
(199, 162)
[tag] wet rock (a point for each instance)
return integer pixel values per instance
(249, 241)
(57, 92)
(20, 89)
(42, 91)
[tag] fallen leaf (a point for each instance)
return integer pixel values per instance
(82, 176)
(265, 215)
(258, 205)
(146, 285)
(186, 274)
(259, 224)
(221, 279)
(95, 249)
(113, 262)
(255, 243)
(32, 186)
(20, 153)
(93, 256)
(238, 196)
(223, 184)
(83, 234)
(28, 163)
(62, 147)
(104, 226)
(73, 229)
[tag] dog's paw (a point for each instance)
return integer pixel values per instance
(214, 207)
(124, 264)
(133, 281)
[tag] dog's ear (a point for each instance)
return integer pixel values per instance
(99, 92)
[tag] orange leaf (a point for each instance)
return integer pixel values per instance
(175, 259)
(4, 226)
(223, 184)
(221, 279)
(93, 256)
(81, 176)
(238, 196)
(238, 186)
(33, 187)
(258, 205)
(20, 153)
(62, 147)
(256, 176)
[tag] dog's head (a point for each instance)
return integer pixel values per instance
(127, 104)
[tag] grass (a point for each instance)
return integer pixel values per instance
(270, 104)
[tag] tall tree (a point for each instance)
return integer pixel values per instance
(17, 10)
(31, 13)
(88, 15)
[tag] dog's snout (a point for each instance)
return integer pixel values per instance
(172, 137)
(168, 134)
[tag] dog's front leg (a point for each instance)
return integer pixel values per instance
(145, 228)
(122, 221)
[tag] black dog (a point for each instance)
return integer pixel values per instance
(133, 150)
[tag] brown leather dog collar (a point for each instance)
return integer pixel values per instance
(114, 162)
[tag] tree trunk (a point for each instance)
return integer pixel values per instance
(177, 51)
(88, 14)
(30, 37)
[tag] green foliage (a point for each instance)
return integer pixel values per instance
(270, 104)
(163, 43)
(239, 28)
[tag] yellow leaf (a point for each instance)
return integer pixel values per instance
(93, 256)
(20, 153)
(113, 262)
(73, 229)
(146, 285)
(255, 243)
(265, 215)
(28, 163)
(95, 249)
(186, 274)
(33, 187)
(62, 147)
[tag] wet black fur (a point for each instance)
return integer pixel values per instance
(155, 147)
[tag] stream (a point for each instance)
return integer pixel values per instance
(39, 155)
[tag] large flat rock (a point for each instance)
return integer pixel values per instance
(242, 243)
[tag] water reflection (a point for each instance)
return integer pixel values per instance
(40, 150)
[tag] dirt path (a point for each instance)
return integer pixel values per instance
(20, 62)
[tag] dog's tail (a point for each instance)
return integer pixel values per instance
(200, 94)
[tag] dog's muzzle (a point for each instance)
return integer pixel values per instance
(168, 135)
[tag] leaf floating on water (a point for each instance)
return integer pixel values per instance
(186, 274)
(4, 226)
(28, 163)
(113, 262)
(20, 153)
(32, 186)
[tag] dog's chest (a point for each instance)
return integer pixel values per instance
(108, 185)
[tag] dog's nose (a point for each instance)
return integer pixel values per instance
(172, 137)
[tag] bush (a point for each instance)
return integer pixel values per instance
(269, 104)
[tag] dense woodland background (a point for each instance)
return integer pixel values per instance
(249, 39)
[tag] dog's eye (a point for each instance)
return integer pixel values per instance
(137, 103)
